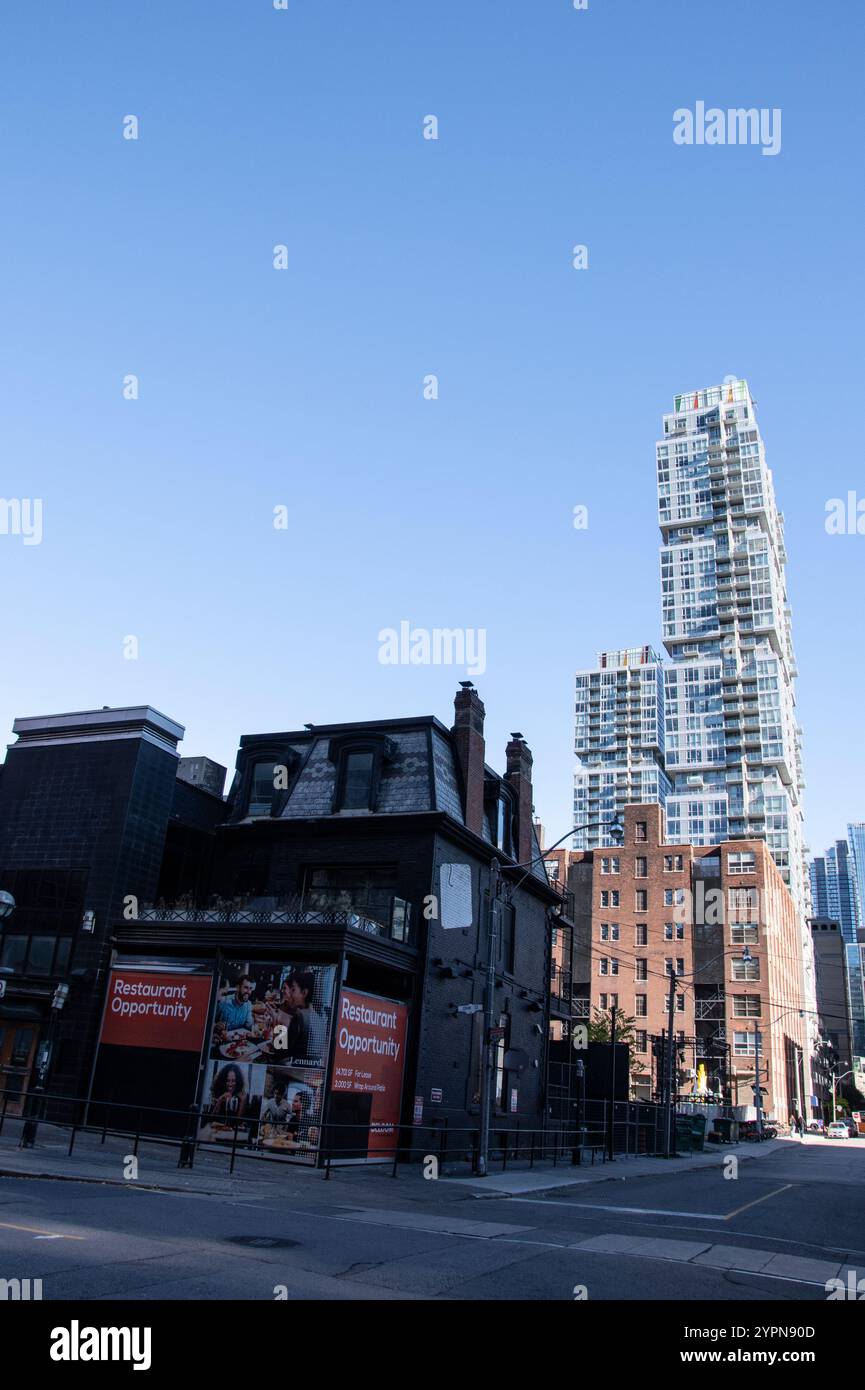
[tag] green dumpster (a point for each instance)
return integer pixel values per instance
(683, 1134)
(698, 1133)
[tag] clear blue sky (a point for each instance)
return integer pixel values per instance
(409, 257)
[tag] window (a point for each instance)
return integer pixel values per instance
(672, 863)
(603, 1001)
(14, 953)
(641, 1005)
(744, 935)
(680, 965)
(746, 969)
(507, 935)
(641, 969)
(743, 905)
(641, 867)
(610, 864)
(680, 1003)
(641, 934)
(641, 900)
(674, 931)
(358, 782)
(36, 955)
(41, 954)
(609, 931)
(358, 888)
(359, 761)
(743, 1044)
(20, 1052)
(401, 920)
(674, 897)
(640, 1039)
(640, 831)
(609, 965)
(747, 1006)
(614, 1001)
(743, 862)
(609, 897)
(262, 789)
(504, 837)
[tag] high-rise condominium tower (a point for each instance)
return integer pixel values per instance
(619, 740)
(732, 746)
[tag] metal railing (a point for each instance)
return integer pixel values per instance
(258, 911)
(635, 1129)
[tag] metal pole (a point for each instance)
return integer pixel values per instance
(611, 1116)
(758, 1099)
(489, 1005)
(834, 1107)
(668, 1126)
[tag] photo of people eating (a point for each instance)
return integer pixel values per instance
(268, 1055)
(273, 1012)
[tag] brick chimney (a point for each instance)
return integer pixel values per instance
(519, 777)
(468, 736)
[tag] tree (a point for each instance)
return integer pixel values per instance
(600, 1028)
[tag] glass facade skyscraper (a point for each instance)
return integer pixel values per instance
(837, 884)
(833, 888)
(856, 842)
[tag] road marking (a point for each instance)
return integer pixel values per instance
(34, 1230)
(758, 1200)
(631, 1211)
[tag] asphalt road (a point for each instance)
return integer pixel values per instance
(770, 1233)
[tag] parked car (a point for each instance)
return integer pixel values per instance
(837, 1130)
(815, 1127)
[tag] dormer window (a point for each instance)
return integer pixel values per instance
(266, 771)
(359, 762)
(262, 787)
(357, 782)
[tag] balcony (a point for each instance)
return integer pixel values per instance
(392, 918)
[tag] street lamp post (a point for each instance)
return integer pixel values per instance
(836, 1077)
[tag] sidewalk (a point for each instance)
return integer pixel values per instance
(516, 1183)
(271, 1180)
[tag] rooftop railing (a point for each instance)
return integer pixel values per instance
(392, 919)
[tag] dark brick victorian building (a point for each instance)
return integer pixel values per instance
(369, 848)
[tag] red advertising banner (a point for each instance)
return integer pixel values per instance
(370, 1057)
(156, 1009)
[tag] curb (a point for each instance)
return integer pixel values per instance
(108, 1182)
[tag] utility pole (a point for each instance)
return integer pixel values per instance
(487, 1052)
(614, 1010)
(671, 1006)
(758, 1097)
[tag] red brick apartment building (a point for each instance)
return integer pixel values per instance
(721, 917)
